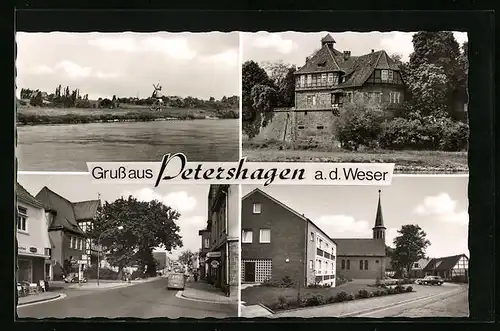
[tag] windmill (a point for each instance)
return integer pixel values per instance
(157, 95)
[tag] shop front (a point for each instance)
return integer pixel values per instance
(214, 266)
(31, 268)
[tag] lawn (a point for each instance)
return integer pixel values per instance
(268, 296)
(406, 161)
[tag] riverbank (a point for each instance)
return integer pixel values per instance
(40, 116)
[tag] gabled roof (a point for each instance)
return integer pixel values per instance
(281, 204)
(422, 263)
(359, 68)
(24, 196)
(324, 60)
(443, 263)
(66, 213)
(327, 39)
(360, 247)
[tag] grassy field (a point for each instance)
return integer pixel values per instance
(268, 296)
(34, 115)
(406, 161)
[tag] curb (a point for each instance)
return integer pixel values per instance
(58, 296)
(180, 295)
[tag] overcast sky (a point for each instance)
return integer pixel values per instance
(294, 47)
(437, 204)
(191, 201)
(128, 64)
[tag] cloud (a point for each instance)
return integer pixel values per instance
(42, 70)
(273, 40)
(230, 57)
(189, 227)
(443, 208)
(177, 48)
(343, 226)
(74, 70)
(179, 201)
(398, 43)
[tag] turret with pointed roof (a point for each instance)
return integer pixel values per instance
(379, 228)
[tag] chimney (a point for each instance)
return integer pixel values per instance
(307, 59)
(347, 55)
(373, 50)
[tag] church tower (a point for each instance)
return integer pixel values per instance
(379, 228)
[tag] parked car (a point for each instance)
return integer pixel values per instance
(74, 279)
(176, 281)
(430, 280)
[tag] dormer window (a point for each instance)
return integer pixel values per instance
(322, 64)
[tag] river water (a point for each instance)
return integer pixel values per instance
(69, 147)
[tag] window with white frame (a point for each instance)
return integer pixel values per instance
(22, 219)
(302, 80)
(246, 236)
(309, 80)
(384, 75)
(80, 244)
(206, 243)
(394, 97)
(314, 100)
(330, 79)
(391, 75)
(312, 236)
(336, 80)
(311, 264)
(323, 79)
(265, 236)
(257, 207)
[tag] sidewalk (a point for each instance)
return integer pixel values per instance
(203, 291)
(107, 284)
(45, 296)
(253, 311)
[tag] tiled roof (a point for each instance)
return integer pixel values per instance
(328, 39)
(285, 207)
(25, 196)
(360, 247)
(322, 61)
(356, 68)
(443, 263)
(67, 214)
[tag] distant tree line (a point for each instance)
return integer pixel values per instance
(66, 98)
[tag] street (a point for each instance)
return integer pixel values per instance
(447, 300)
(145, 300)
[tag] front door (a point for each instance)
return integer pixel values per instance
(249, 271)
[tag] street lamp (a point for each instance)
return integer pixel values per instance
(99, 253)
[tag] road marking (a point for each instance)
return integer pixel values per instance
(180, 296)
(400, 304)
(61, 296)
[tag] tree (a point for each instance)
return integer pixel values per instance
(146, 225)
(411, 244)
(37, 100)
(186, 257)
(438, 54)
(283, 78)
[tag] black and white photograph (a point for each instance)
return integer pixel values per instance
(395, 97)
(118, 251)
(125, 97)
(356, 251)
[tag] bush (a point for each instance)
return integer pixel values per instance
(377, 293)
(104, 273)
(383, 293)
(341, 280)
(391, 291)
(377, 281)
(282, 302)
(399, 289)
(362, 294)
(315, 300)
(455, 136)
(350, 297)
(331, 299)
(286, 282)
(137, 274)
(303, 302)
(341, 296)
(358, 125)
(409, 289)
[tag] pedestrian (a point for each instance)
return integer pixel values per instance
(195, 275)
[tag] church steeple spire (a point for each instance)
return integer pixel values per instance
(379, 228)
